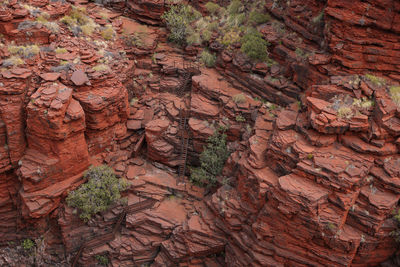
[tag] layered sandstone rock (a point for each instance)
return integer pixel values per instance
(327, 181)
(57, 153)
(314, 183)
(344, 38)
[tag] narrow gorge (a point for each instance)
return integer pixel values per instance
(221, 133)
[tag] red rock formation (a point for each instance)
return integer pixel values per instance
(14, 87)
(368, 32)
(57, 152)
(330, 189)
(314, 183)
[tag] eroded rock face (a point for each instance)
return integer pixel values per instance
(57, 153)
(327, 181)
(310, 183)
(53, 112)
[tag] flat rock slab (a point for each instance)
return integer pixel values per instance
(79, 77)
(50, 76)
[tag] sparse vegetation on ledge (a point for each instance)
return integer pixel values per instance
(232, 27)
(79, 22)
(24, 51)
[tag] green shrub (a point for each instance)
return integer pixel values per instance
(206, 35)
(256, 17)
(301, 53)
(200, 177)
(24, 51)
(234, 7)
(101, 191)
(102, 260)
(212, 161)
(209, 59)
(108, 33)
(79, 22)
(138, 39)
(378, 81)
(68, 20)
(13, 61)
(396, 233)
(194, 38)
(212, 7)
(43, 17)
(178, 19)
(212, 26)
(236, 20)
(28, 244)
(254, 46)
(87, 29)
(100, 68)
(231, 37)
(240, 118)
(363, 103)
(61, 50)
(345, 112)
(395, 94)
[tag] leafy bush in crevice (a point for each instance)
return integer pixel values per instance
(101, 191)
(254, 46)
(28, 245)
(209, 59)
(102, 260)
(212, 161)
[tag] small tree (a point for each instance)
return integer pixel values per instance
(212, 161)
(101, 191)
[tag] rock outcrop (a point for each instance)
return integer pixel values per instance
(57, 153)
